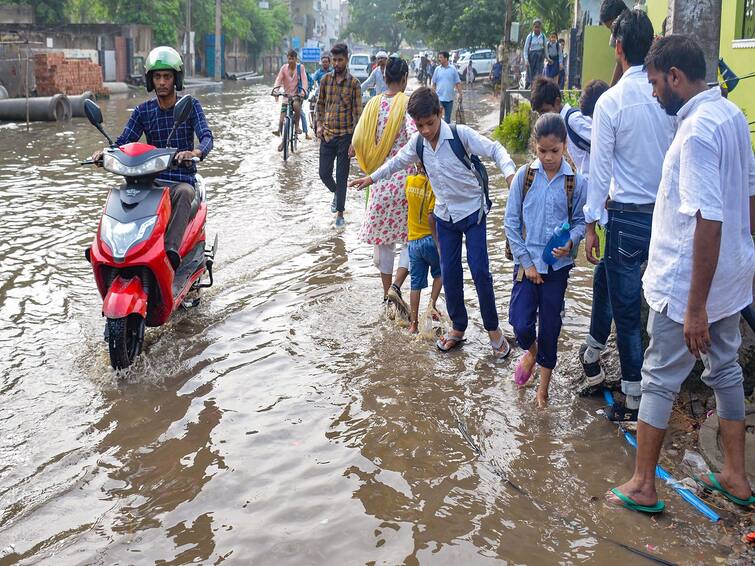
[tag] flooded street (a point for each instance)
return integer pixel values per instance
(285, 420)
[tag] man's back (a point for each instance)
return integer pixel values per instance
(630, 136)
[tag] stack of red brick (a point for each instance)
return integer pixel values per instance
(57, 75)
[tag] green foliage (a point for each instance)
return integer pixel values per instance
(377, 23)
(446, 24)
(571, 97)
(515, 130)
(50, 12)
(556, 14)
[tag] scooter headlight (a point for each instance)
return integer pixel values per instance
(121, 237)
(150, 167)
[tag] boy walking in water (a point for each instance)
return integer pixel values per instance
(338, 108)
(461, 208)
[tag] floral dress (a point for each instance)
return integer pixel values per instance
(385, 218)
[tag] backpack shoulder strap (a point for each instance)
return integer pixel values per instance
(576, 139)
(420, 149)
(569, 186)
(458, 148)
(529, 179)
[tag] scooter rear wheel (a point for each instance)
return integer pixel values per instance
(125, 338)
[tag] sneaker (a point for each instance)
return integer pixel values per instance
(340, 222)
(333, 205)
(594, 373)
(618, 413)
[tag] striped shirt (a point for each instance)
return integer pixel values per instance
(155, 123)
(339, 105)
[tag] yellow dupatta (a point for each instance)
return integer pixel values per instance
(371, 154)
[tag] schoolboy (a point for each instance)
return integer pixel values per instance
(461, 208)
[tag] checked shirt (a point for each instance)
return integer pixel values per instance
(155, 123)
(339, 105)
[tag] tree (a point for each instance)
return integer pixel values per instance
(377, 23)
(45, 11)
(556, 14)
(451, 23)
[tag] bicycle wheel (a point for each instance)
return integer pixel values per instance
(286, 134)
(294, 137)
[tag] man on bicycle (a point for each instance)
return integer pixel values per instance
(292, 80)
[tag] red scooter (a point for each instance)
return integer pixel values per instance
(133, 273)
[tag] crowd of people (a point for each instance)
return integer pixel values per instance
(658, 161)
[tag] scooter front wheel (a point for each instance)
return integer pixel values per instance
(125, 338)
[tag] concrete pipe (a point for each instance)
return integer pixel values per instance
(116, 88)
(43, 109)
(77, 104)
(3, 92)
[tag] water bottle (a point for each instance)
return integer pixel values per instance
(559, 239)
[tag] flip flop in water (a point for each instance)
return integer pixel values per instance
(521, 375)
(455, 341)
(715, 485)
(502, 349)
(630, 503)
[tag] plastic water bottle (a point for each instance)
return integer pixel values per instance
(559, 239)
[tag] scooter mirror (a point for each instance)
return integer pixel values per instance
(93, 112)
(182, 109)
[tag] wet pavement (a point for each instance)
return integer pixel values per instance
(285, 420)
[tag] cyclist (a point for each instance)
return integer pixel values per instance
(292, 78)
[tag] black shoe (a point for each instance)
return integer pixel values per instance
(618, 413)
(174, 258)
(593, 371)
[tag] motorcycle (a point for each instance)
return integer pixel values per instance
(134, 275)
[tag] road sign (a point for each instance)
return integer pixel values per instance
(310, 54)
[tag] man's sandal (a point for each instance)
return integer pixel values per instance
(715, 485)
(630, 503)
(455, 341)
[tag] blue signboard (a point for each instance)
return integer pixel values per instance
(310, 55)
(295, 42)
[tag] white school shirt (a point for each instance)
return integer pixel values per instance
(457, 192)
(582, 126)
(708, 168)
(630, 136)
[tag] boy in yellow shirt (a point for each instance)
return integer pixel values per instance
(423, 253)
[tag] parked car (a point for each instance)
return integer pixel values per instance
(482, 63)
(360, 66)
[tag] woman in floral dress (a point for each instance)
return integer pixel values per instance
(385, 219)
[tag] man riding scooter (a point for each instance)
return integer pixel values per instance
(154, 119)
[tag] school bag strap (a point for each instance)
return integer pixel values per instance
(576, 139)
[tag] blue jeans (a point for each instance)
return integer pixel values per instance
(540, 304)
(627, 244)
(450, 235)
(423, 255)
(601, 316)
(447, 108)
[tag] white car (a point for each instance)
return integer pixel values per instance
(482, 63)
(360, 66)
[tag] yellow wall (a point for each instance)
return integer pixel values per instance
(657, 12)
(598, 61)
(741, 61)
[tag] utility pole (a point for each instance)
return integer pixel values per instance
(702, 20)
(505, 42)
(188, 59)
(218, 29)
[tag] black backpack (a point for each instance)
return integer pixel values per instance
(472, 163)
(576, 139)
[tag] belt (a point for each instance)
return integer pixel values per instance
(629, 207)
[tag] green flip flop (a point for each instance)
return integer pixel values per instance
(630, 503)
(715, 485)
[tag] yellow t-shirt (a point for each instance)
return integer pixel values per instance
(421, 200)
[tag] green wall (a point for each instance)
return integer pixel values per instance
(741, 61)
(657, 12)
(598, 60)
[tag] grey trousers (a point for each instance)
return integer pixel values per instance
(668, 363)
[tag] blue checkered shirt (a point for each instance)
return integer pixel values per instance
(155, 123)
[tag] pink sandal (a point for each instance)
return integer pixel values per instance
(522, 376)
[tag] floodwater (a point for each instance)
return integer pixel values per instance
(285, 420)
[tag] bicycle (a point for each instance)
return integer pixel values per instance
(290, 138)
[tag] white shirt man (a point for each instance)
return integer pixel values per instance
(630, 136)
(580, 125)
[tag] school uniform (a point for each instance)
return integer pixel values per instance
(630, 136)
(709, 169)
(582, 126)
(458, 200)
(545, 208)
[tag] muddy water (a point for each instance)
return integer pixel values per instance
(284, 420)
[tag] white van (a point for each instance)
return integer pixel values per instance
(482, 63)
(360, 66)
